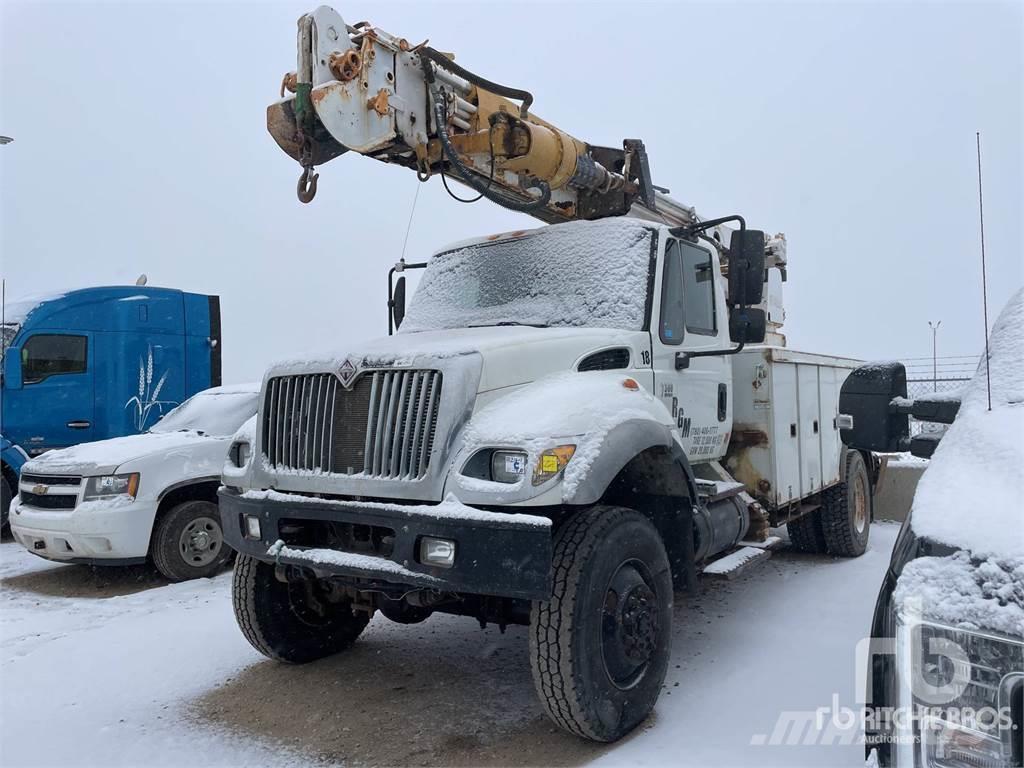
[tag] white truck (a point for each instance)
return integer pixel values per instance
(567, 426)
(137, 498)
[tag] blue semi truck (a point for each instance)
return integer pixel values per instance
(97, 363)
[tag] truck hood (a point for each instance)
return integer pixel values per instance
(501, 349)
(105, 456)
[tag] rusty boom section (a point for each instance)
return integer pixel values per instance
(359, 89)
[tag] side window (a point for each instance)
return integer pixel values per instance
(672, 319)
(45, 355)
(698, 289)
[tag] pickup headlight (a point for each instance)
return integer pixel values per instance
(111, 486)
(965, 689)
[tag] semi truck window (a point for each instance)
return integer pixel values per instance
(672, 296)
(45, 355)
(699, 289)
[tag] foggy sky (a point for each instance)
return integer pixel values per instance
(140, 146)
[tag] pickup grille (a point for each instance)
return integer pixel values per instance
(58, 491)
(382, 427)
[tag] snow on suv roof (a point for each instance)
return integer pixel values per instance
(970, 495)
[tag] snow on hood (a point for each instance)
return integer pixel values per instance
(555, 349)
(107, 455)
(970, 496)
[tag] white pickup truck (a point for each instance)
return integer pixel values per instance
(150, 496)
(566, 428)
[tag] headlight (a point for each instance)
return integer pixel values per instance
(111, 486)
(551, 462)
(239, 454)
(965, 689)
(508, 466)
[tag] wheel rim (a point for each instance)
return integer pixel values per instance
(860, 505)
(200, 542)
(630, 624)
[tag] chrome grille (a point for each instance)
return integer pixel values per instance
(382, 427)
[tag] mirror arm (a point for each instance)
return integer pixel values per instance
(683, 358)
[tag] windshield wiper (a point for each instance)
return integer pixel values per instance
(509, 322)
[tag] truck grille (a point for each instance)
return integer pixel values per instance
(382, 427)
(58, 491)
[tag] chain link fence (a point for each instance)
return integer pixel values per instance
(941, 375)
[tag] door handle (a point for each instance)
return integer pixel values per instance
(79, 424)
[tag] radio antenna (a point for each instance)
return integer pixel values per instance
(984, 284)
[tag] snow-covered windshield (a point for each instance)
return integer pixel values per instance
(582, 274)
(219, 414)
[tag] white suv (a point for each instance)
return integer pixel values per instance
(125, 500)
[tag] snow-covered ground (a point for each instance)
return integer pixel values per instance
(115, 667)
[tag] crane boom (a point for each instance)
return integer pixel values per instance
(360, 89)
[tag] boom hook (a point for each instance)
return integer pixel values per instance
(306, 188)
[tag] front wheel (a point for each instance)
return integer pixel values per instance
(188, 542)
(291, 621)
(599, 648)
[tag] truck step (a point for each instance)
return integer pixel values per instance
(737, 562)
(772, 542)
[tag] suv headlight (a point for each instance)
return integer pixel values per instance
(965, 689)
(240, 453)
(111, 486)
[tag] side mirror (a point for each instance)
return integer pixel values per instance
(866, 397)
(12, 369)
(398, 302)
(747, 326)
(746, 267)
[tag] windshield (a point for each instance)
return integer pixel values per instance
(582, 274)
(216, 414)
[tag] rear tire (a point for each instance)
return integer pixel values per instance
(806, 534)
(188, 542)
(846, 510)
(600, 647)
(293, 622)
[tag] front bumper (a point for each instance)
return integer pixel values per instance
(91, 533)
(494, 553)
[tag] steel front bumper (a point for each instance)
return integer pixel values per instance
(495, 554)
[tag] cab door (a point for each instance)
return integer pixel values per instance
(52, 404)
(691, 318)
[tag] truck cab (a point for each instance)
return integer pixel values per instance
(98, 363)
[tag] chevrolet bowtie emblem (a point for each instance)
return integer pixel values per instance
(41, 490)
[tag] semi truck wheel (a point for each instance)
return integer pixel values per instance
(806, 534)
(846, 510)
(5, 503)
(599, 648)
(188, 542)
(295, 621)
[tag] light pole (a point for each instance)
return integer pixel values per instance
(935, 359)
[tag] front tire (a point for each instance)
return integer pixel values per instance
(295, 622)
(188, 542)
(600, 647)
(846, 510)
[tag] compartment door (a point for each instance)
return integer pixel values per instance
(809, 429)
(829, 380)
(785, 436)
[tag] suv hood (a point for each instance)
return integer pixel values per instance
(105, 456)
(551, 350)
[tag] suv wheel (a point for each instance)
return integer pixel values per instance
(188, 542)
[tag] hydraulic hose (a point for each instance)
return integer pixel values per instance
(502, 90)
(465, 175)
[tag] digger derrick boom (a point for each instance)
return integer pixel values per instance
(359, 89)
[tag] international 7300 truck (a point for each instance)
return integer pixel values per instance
(570, 423)
(96, 363)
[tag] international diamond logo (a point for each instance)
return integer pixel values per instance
(347, 372)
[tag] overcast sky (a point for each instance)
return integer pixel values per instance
(141, 146)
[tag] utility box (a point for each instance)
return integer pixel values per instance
(785, 441)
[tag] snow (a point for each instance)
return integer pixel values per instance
(89, 458)
(970, 496)
(584, 274)
(114, 667)
(449, 509)
(348, 560)
(736, 560)
(17, 310)
(988, 595)
(565, 408)
(217, 412)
